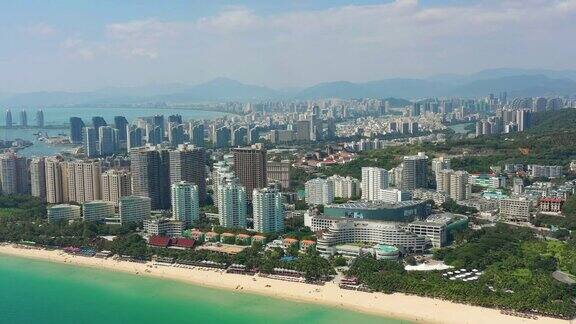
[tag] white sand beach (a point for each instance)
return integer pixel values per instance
(413, 308)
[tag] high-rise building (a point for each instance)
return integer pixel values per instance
(196, 133)
(56, 183)
(345, 187)
(254, 135)
(63, 212)
(268, 210)
(14, 174)
(135, 137)
(76, 130)
(222, 137)
(523, 119)
(414, 172)
(97, 210)
(459, 186)
(279, 172)
(240, 136)
(158, 122)
(222, 172)
(40, 118)
(8, 118)
(439, 164)
(303, 130)
(115, 185)
(374, 180)
(83, 181)
(232, 204)
(185, 202)
(121, 124)
(330, 129)
(319, 192)
(107, 140)
(416, 109)
(23, 118)
(176, 134)
(188, 163)
(97, 122)
(133, 209)
(250, 167)
(150, 168)
(176, 119)
(154, 134)
(455, 184)
(38, 177)
(91, 142)
(518, 186)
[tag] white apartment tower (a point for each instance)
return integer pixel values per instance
(374, 180)
(319, 192)
(345, 187)
(185, 202)
(268, 210)
(232, 204)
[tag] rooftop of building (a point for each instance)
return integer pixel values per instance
(376, 204)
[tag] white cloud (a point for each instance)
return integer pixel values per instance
(355, 42)
(232, 20)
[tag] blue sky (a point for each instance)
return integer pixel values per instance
(77, 45)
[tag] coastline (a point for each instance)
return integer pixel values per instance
(398, 306)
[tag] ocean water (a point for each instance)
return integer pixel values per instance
(34, 291)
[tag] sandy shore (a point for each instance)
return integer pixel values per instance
(412, 308)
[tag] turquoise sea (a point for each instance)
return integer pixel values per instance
(34, 291)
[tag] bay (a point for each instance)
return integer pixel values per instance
(33, 291)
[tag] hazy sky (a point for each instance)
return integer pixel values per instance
(80, 45)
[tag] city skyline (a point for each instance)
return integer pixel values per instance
(284, 45)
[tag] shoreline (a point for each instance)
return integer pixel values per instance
(394, 306)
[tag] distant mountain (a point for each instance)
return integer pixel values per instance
(518, 86)
(337, 89)
(220, 89)
(502, 73)
(517, 82)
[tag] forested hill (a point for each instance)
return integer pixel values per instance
(552, 122)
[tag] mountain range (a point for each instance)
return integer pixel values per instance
(517, 82)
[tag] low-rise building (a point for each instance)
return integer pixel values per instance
(163, 226)
(545, 171)
(515, 209)
(306, 244)
(346, 231)
(551, 205)
(404, 211)
(97, 210)
(63, 212)
(428, 194)
(439, 228)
